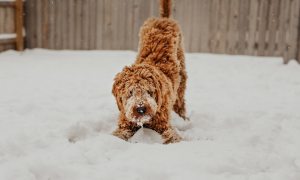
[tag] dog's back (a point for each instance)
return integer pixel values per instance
(160, 43)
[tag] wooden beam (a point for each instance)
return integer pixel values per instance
(7, 41)
(19, 25)
(7, 4)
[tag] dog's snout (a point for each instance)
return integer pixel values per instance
(141, 110)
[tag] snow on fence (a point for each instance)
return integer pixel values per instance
(11, 25)
(250, 27)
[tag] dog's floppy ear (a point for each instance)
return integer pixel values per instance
(119, 86)
(116, 90)
(158, 83)
(158, 91)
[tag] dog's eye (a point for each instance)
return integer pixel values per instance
(130, 93)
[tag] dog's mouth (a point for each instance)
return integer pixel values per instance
(141, 114)
(140, 121)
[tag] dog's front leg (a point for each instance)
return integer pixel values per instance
(125, 129)
(170, 136)
(123, 133)
(163, 127)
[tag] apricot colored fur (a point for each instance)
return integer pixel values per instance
(159, 66)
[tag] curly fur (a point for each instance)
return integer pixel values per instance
(156, 81)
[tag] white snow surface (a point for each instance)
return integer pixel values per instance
(244, 111)
(9, 0)
(8, 36)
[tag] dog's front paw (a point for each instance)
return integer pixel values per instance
(171, 136)
(173, 139)
(124, 134)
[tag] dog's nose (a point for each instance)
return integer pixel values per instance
(141, 110)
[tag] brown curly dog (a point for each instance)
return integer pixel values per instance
(147, 91)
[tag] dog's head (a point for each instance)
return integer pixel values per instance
(137, 90)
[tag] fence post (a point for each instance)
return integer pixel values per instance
(19, 25)
(298, 49)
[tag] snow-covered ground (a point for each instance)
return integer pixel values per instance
(245, 120)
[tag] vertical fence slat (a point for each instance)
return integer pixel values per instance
(51, 24)
(194, 41)
(214, 12)
(38, 9)
(19, 25)
(29, 23)
(273, 21)
(262, 29)
(100, 23)
(204, 24)
(251, 48)
(129, 25)
(293, 30)
(144, 13)
(223, 15)
(34, 23)
(92, 24)
(298, 48)
(78, 26)
(58, 19)
(71, 24)
(45, 23)
(243, 26)
(185, 20)
(123, 26)
(10, 16)
(39, 22)
(298, 57)
(179, 16)
(64, 24)
(115, 24)
(282, 27)
(135, 24)
(233, 27)
(155, 11)
(85, 25)
(107, 33)
(2, 16)
(287, 12)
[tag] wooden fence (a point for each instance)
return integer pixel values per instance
(11, 25)
(250, 27)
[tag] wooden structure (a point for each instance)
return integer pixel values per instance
(11, 25)
(247, 27)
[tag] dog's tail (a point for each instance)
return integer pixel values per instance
(165, 8)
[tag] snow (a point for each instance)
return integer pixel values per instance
(6, 0)
(244, 124)
(7, 36)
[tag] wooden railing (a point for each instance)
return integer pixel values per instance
(7, 38)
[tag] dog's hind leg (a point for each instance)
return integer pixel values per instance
(179, 106)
